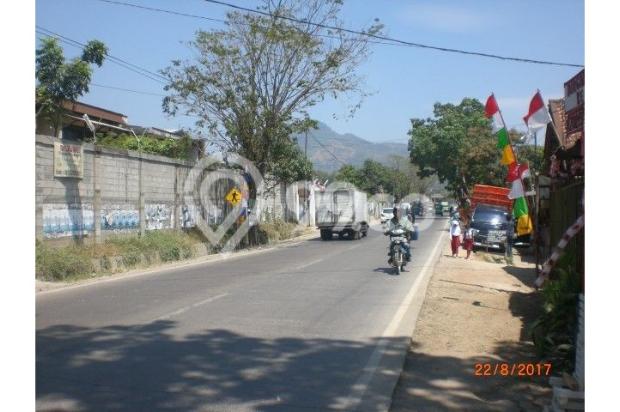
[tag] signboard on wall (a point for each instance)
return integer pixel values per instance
(68, 160)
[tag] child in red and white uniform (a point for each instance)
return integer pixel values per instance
(468, 240)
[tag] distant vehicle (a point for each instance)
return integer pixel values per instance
(386, 214)
(490, 223)
(343, 211)
(442, 208)
(418, 209)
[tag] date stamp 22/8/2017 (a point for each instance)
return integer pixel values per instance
(512, 369)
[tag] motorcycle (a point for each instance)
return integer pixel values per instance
(398, 238)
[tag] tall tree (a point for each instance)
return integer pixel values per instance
(60, 81)
(457, 145)
(406, 178)
(251, 84)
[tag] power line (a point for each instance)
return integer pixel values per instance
(326, 149)
(178, 13)
(404, 42)
(112, 58)
(127, 90)
(123, 63)
(195, 16)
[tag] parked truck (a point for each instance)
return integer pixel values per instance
(343, 211)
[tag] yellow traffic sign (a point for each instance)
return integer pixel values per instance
(234, 196)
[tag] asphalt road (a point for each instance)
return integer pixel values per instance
(312, 325)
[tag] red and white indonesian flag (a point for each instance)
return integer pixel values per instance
(491, 110)
(518, 171)
(538, 116)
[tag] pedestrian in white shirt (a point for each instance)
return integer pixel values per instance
(455, 234)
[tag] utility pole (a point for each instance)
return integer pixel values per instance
(307, 188)
(96, 187)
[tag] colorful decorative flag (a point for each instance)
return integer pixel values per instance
(491, 111)
(538, 116)
(513, 172)
(524, 225)
(517, 171)
(508, 156)
(524, 170)
(519, 208)
(517, 189)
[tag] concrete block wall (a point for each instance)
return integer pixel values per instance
(118, 174)
(65, 206)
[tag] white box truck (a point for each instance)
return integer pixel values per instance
(343, 211)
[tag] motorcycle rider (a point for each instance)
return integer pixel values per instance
(400, 222)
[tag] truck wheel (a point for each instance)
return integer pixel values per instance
(326, 234)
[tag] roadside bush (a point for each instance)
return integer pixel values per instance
(554, 331)
(67, 262)
(285, 229)
(62, 263)
(273, 231)
(269, 231)
(170, 245)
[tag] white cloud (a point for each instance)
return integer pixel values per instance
(450, 18)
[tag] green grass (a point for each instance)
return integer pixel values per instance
(75, 262)
(62, 263)
(70, 263)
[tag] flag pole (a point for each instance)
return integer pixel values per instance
(505, 126)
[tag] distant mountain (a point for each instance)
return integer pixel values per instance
(347, 148)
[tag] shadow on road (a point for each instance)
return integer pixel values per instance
(144, 367)
(455, 378)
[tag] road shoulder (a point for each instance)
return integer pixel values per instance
(475, 311)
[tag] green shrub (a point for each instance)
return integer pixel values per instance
(170, 245)
(554, 330)
(62, 263)
(177, 148)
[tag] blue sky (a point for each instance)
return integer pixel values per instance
(405, 81)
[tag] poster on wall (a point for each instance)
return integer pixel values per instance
(68, 160)
(188, 216)
(63, 220)
(158, 216)
(120, 218)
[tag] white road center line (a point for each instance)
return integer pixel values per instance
(186, 308)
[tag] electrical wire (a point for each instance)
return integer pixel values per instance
(127, 90)
(326, 149)
(177, 13)
(123, 63)
(404, 42)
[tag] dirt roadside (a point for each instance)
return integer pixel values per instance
(475, 311)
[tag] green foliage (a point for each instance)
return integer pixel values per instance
(71, 262)
(399, 179)
(290, 164)
(253, 82)
(60, 81)
(169, 245)
(457, 145)
(57, 264)
(176, 148)
(554, 330)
